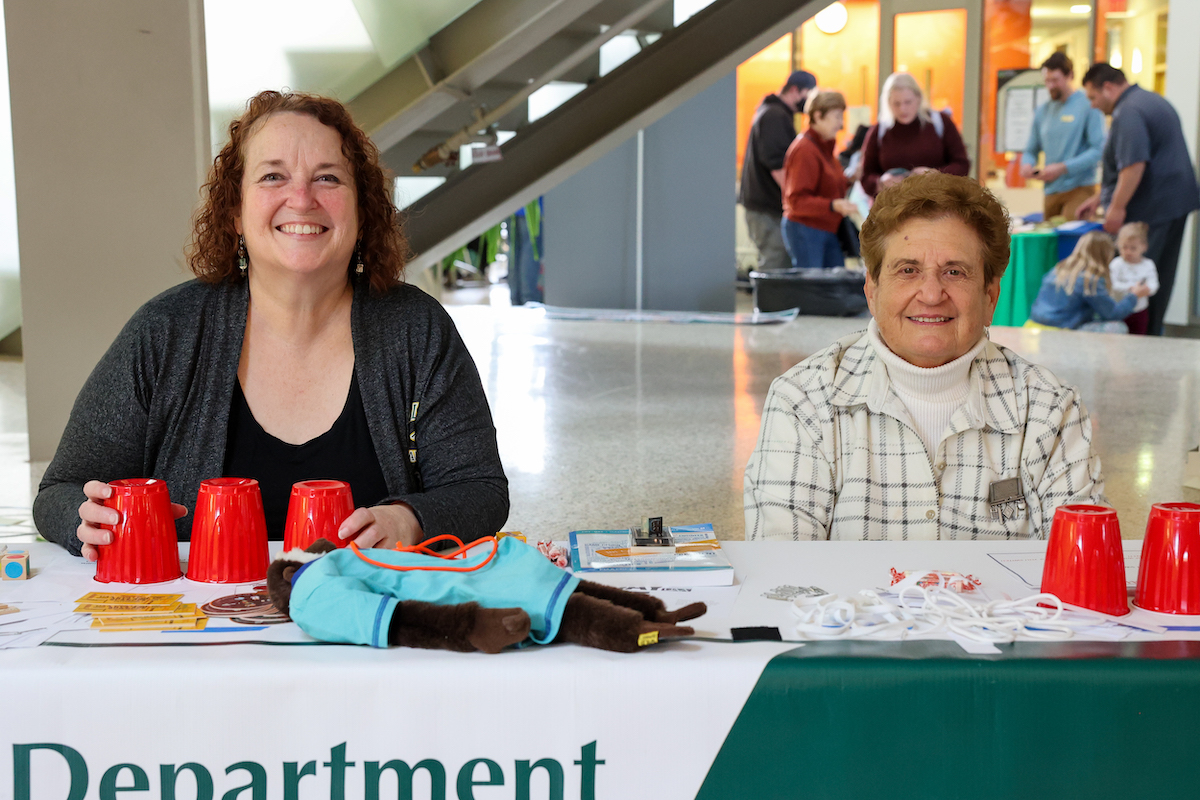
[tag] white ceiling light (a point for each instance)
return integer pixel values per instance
(1081, 9)
(832, 19)
(1135, 63)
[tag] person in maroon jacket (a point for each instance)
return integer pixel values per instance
(909, 138)
(814, 188)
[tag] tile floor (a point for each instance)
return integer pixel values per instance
(602, 423)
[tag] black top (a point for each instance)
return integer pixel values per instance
(343, 453)
(771, 134)
(157, 405)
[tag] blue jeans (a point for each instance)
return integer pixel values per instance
(811, 247)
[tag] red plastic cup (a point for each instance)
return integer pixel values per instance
(1085, 562)
(144, 547)
(229, 533)
(1169, 573)
(315, 511)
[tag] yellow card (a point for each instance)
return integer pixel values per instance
(138, 619)
(131, 599)
(180, 625)
(112, 608)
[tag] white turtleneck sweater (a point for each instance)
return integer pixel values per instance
(931, 394)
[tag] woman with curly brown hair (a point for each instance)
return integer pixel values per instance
(298, 353)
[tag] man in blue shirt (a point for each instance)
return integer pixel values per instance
(1147, 174)
(1071, 134)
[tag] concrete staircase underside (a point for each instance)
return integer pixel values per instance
(684, 62)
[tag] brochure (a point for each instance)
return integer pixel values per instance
(698, 560)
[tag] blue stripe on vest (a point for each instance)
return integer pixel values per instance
(383, 603)
(549, 613)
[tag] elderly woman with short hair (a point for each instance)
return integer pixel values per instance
(814, 187)
(297, 353)
(922, 428)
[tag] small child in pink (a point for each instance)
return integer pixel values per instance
(1129, 269)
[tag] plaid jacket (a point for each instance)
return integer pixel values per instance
(838, 456)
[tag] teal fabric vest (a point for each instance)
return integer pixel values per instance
(341, 598)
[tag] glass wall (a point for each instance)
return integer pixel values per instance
(1133, 38)
(1021, 34)
(758, 76)
(832, 47)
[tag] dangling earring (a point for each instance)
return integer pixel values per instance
(242, 263)
(358, 265)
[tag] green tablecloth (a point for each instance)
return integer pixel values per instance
(1032, 256)
(925, 720)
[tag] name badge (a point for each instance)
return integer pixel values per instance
(1006, 499)
(1067, 117)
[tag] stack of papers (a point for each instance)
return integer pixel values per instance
(605, 557)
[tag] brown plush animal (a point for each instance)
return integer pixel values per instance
(594, 615)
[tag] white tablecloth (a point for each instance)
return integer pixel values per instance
(257, 714)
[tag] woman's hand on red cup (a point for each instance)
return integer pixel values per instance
(382, 526)
(93, 513)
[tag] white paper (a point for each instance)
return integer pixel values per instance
(974, 647)
(34, 631)
(1028, 565)
(1018, 118)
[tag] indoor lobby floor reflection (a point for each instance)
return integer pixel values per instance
(603, 423)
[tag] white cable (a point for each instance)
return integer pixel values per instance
(921, 611)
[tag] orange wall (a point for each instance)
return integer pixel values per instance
(1006, 26)
(762, 74)
(846, 61)
(931, 46)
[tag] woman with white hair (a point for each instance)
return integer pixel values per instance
(909, 138)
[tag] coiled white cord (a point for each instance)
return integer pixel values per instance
(919, 611)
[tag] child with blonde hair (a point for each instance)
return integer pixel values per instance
(1076, 294)
(1130, 268)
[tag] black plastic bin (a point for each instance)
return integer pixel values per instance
(816, 292)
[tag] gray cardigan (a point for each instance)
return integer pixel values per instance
(158, 403)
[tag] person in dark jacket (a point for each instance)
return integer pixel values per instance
(297, 353)
(814, 187)
(760, 193)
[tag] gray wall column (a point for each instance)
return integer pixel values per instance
(688, 218)
(110, 145)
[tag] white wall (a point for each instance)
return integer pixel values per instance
(10, 272)
(1183, 91)
(110, 145)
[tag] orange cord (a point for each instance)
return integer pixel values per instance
(424, 549)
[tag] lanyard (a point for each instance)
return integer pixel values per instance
(422, 548)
